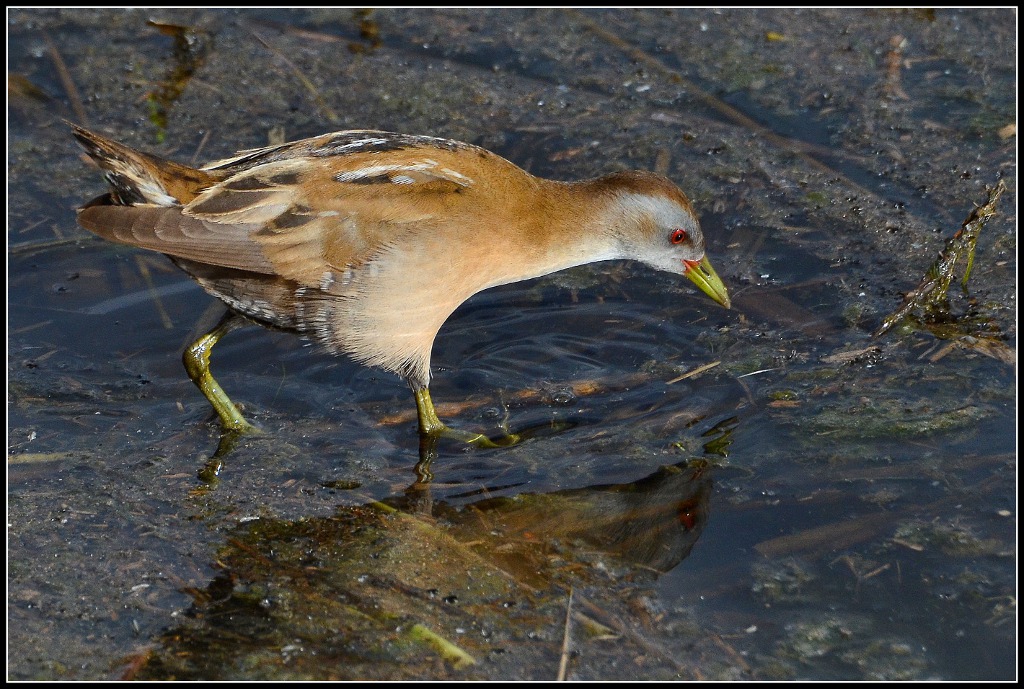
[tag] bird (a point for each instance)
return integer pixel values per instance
(366, 241)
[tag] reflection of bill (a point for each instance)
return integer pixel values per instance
(653, 522)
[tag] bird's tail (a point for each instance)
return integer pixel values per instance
(141, 179)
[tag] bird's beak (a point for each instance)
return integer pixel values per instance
(705, 277)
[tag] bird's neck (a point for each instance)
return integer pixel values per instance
(574, 223)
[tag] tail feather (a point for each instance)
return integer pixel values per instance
(138, 178)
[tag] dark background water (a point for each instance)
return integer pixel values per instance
(821, 517)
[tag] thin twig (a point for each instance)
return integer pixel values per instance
(894, 62)
(310, 86)
(28, 328)
(564, 664)
(754, 373)
(30, 247)
(165, 318)
(695, 372)
(66, 81)
(199, 148)
(731, 652)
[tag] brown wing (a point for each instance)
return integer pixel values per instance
(310, 216)
(296, 218)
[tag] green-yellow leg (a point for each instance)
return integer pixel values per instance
(197, 363)
(432, 427)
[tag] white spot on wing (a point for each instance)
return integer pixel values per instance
(364, 172)
(456, 177)
(354, 146)
(155, 194)
(427, 167)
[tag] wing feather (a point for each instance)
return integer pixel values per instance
(168, 231)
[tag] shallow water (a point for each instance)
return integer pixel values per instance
(793, 512)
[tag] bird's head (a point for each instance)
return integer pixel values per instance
(656, 224)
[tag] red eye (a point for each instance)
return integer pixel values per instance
(678, 236)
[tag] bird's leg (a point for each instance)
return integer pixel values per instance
(429, 423)
(197, 363)
(432, 427)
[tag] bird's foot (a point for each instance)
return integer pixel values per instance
(479, 439)
(432, 427)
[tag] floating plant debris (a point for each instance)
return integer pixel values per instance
(930, 295)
